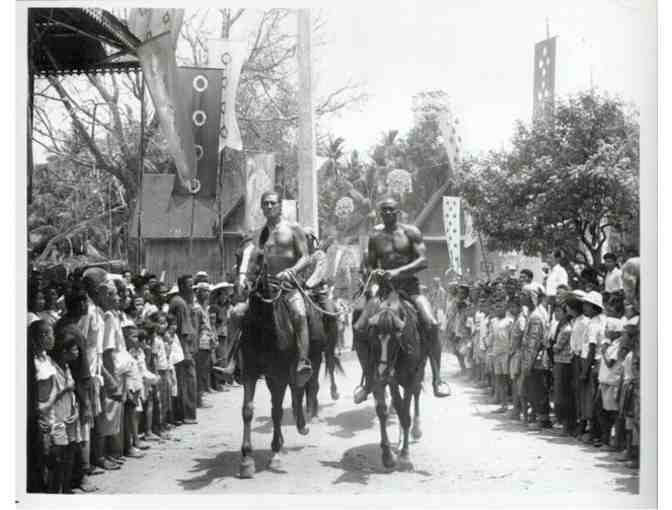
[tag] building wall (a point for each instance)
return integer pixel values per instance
(172, 256)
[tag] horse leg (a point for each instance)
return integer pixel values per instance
(297, 409)
(416, 431)
(389, 458)
(277, 389)
(247, 467)
(404, 411)
(395, 405)
(312, 388)
(332, 337)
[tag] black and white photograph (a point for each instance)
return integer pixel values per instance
(338, 252)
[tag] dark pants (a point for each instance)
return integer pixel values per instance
(60, 463)
(537, 393)
(186, 390)
(564, 401)
(203, 363)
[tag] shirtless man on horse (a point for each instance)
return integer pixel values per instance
(399, 251)
(285, 252)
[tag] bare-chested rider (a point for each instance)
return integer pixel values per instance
(286, 254)
(399, 250)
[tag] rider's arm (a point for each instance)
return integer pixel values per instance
(301, 250)
(419, 250)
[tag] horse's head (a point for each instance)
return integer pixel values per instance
(387, 327)
(248, 264)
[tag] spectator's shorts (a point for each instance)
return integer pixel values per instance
(501, 363)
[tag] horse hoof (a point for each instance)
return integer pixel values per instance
(405, 463)
(275, 463)
(389, 459)
(416, 431)
(335, 395)
(303, 430)
(247, 468)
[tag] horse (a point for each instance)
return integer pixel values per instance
(393, 356)
(266, 349)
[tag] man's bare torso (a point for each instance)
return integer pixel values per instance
(280, 248)
(392, 249)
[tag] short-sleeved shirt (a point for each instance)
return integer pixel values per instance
(501, 338)
(203, 326)
(579, 325)
(113, 339)
(159, 350)
(186, 330)
(611, 376)
(594, 334)
(92, 327)
(613, 281)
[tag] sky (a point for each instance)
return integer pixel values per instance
(481, 54)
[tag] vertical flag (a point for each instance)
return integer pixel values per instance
(260, 177)
(451, 224)
(201, 89)
(229, 56)
(544, 78)
(148, 23)
(469, 236)
(452, 141)
(157, 58)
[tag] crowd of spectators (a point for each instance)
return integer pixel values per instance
(562, 354)
(115, 362)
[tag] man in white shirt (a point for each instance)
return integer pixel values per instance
(556, 276)
(613, 280)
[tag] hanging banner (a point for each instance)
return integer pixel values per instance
(470, 236)
(148, 23)
(451, 224)
(260, 177)
(201, 89)
(544, 78)
(228, 56)
(157, 59)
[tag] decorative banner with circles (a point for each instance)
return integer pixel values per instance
(201, 90)
(544, 77)
(228, 56)
(451, 224)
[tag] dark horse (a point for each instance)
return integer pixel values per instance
(267, 348)
(393, 355)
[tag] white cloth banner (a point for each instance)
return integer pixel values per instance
(451, 225)
(148, 23)
(469, 237)
(260, 177)
(229, 56)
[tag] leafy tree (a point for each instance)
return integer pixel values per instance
(566, 182)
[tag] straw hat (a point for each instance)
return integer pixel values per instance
(203, 286)
(222, 285)
(594, 298)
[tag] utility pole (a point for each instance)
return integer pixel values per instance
(307, 178)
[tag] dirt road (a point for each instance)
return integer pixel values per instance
(464, 449)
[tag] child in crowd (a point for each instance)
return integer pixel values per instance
(162, 367)
(501, 351)
(593, 337)
(175, 355)
(515, 372)
(57, 404)
(134, 396)
(150, 380)
(563, 396)
(478, 342)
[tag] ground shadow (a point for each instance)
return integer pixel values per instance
(226, 465)
(351, 422)
(628, 480)
(360, 462)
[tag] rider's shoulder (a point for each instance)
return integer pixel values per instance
(411, 230)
